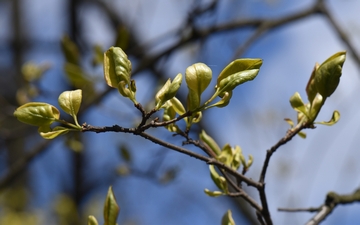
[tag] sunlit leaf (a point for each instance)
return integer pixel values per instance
(219, 181)
(237, 66)
(92, 220)
(168, 91)
(327, 76)
(316, 107)
(111, 209)
(213, 193)
(334, 119)
(311, 89)
(298, 104)
(51, 134)
(227, 219)
(70, 101)
(210, 142)
(117, 67)
(37, 113)
(230, 82)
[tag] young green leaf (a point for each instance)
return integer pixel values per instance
(92, 220)
(47, 133)
(227, 219)
(316, 105)
(210, 142)
(239, 65)
(168, 91)
(228, 83)
(111, 209)
(70, 102)
(213, 193)
(117, 67)
(334, 119)
(311, 89)
(327, 76)
(198, 77)
(298, 104)
(219, 181)
(37, 113)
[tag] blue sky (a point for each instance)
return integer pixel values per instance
(300, 173)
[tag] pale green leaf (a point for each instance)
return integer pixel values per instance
(70, 101)
(311, 89)
(230, 82)
(334, 119)
(198, 77)
(239, 65)
(111, 209)
(298, 104)
(92, 220)
(213, 193)
(227, 219)
(37, 113)
(210, 142)
(168, 91)
(117, 67)
(47, 133)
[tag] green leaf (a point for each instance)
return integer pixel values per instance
(210, 142)
(111, 209)
(117, 67)
(37, 113)
(226, 155)
(47, 133)
(213, 193)
(219, 181)
(298, 104)
(230, 82)
(92, 220)
(177, 106)
(327, 76)
(238, 65)
(168, 91)
(236, 161)
(227, 219)
(334, 119)
(316, 105)
(225, 100)
(70, 102)
(311, 89)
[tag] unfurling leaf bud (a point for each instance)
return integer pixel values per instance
(111, 209)
(168, 91)
(198, 77)
(117, 67)
(117, 72)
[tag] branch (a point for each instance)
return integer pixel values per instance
(331, 201)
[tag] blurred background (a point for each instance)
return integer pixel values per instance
(47, 47)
